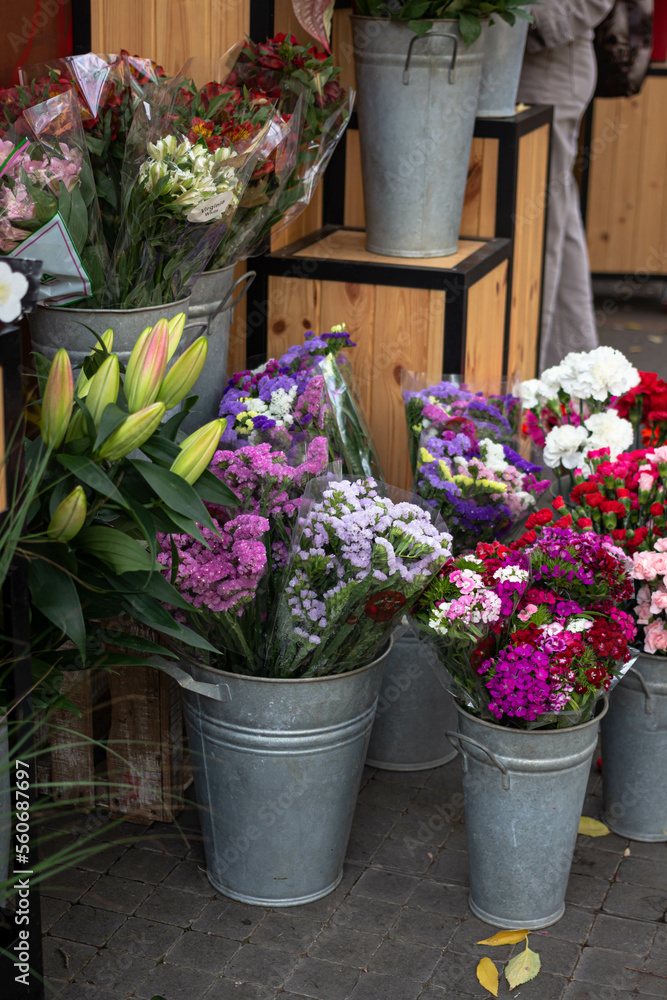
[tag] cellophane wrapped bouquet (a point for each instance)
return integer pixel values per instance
(569, 408)
(464, 465)
(531, 634)
(308, 391)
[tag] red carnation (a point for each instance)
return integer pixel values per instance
(558, 503)
(584, 522)
(612, 507)
(594, 499)
(657, 509)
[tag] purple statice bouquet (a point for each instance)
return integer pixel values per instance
(482, 488)
(307, 392)
(229, 576)
(362, 555)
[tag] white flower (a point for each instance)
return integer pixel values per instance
(579, 625)
(565, 446)
(536, 392)
(493, 455)
(551, 380)
(13, 287)
(608, 430)
(597, 374)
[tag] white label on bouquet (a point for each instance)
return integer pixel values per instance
(212, 208)
(64, 278)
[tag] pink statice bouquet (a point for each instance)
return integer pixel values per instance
(649, 569)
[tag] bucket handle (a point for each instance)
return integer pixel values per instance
(648, 704)
(456, 738)
(245, 281)
(216, 692)
(429, 34)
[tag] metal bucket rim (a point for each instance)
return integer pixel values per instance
(110, 309)
(296, 680)
(216, 270)
(604, 701)
(404, 24)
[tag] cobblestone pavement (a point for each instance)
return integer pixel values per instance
(141, 919)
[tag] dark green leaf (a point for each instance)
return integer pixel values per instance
(112, 418)
(470, 27)
(115, 549)
(174, 492)
(161, 449)
(420, 27)
(144, 520)
(213, 490)
(90, 474)
(129, 641)
(149, 611)
(53, 592)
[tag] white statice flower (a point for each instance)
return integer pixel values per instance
(579, 625)
(565, 446)
(608, 430)
(536, 392)
(493, 455)
(597, 374)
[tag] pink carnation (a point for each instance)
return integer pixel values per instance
(655, 637)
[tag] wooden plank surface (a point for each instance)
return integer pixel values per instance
(354, 213)
(471, 202)
(354, 305)
(486, 326)
(345, 244)
(488, 192)
(71, 743)
(625, 194)
(293, 309)
(125, 24)
(606, 116)
(650, 232)
(341, 46)
(236, 355)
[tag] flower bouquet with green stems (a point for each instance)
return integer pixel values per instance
(420, 14)
(111, 475)
(48, 203)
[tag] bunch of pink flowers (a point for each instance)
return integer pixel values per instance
(651, 569)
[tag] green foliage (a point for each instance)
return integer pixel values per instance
(420, 14)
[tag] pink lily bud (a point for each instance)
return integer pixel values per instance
(69, 516)
(82, 383)
(58, 400)
(103, 388)
(176, 326)
(183, 373)
(197, 450)
(132, 433)
(146, 367)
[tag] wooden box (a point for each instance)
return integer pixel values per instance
(446, 314)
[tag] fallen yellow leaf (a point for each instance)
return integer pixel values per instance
(506, 937)
(592, 827)
(488, 976)
(522, 968)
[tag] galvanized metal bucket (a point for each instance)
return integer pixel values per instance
(52, 327)
(414, 713)
(5, 809)
(634, 753)
(503, 59)
(523, 794)
(417, 101)
(277, 767)
(212, 304)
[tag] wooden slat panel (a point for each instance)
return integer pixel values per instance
(435, 335)
(527, 262)
(284, 19)
(651, 222)
(71, 742)
(627, 155)
(344, 244)
(353, 305)
(486, 326)
(606, 117)
(354, 214)
(309, 220)
(488, 192)
(124, 24)
(236, 356)
(471, 201)
(401, 317)
(183, 33)
(230, 23)
(293, 308)
(341, 46)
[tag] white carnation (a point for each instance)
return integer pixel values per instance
(597, 374)
(493, 455)
(565, 446)
(579, 625)
(608, 430)
(536, 392)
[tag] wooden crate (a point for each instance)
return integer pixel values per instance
(448, 316)
(624, 192)
(76, 742)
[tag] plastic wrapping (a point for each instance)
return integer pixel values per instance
(48, 203)
(346, 425)
(361, 555)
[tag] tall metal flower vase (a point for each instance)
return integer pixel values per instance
(414, 712)
(417, 101)
(277, 766)
(523, 794)
(503, 59)
(634, 752)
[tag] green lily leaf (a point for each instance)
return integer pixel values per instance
(175, 492)
(90, 474)
(115, 549)
(54, 593)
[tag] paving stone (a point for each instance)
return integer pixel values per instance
(659, 946)
(114, 831)
(415, 779)
(116, 971)
(452, 866)
(403, 959)
(588, 860)
(229, 919)
(446, 776)
(652, 852)
(574, 925)
(234, 989)
(458, 838)
(143, 866)
(424, 927)
(52, 909)
(605, 968)
(588, 991)
(639, 871)
(80, 991)
(396, 797)
(544, 987)
(469, 933)
(374, 820)
(585, 891)
(69, 884)
(286, 932)
(345, 945)
(103, 859)
(63, 958)
(457, 972)
(445, 804)
(323, 909)
(172, 906)
(174, 983)
(636, 901)
(438, 898)
(145, 938)
(441, 993)
(653, 980)
(413, 827)
(386, 885)
(556, 955)
(190, 877)
(617, 934)
(610, 842)
(322, 980)
(88, 924)
(410, 856)
(375, 987)
(362, 845)
(197, 853)
(196, 950)
(262, 965)
(170, 841)
(119, 894)
(364, 913)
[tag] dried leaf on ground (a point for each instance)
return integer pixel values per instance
(506, 937)
(590, 827)
(522, 968)
(487, 974)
